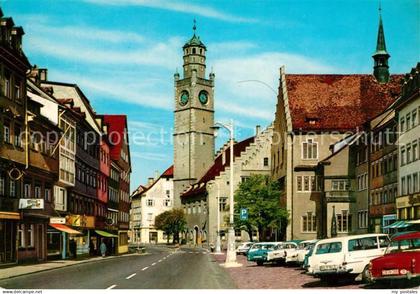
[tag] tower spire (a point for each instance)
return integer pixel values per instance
(195, 26)
(381, 56)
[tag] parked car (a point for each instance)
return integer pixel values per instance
(244, 247)
(258, 251)
(298, 255)
(401, 260)
(281, 251)
(346, 256)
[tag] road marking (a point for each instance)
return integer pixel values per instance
(111, 287)
(130, 276)
(154, 263)
(145, 268)
(160, 260)
(164, 258)
(197, 253)
(204, 252)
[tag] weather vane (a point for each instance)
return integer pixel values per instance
(194, 27)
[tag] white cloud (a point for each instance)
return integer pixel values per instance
(177, 6)
(152, 156)
(86, 33)
(89, 54)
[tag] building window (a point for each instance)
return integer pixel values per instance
(340, 185)
(223, 203)
(30, 234)
(37, 192)
(408, 154)
(309, 149)
(18, 141)
(362, 219)
(47, 194)
(2, 185)
(409, 187)
(415, 151)
(12, 186)
(415, 183)
(27, 190)
(403, 187)
(167, 202)
(402, 125)
(299, 183)
(414, 118)
(343, 222)
(402, 156)
(306, 183)
(265, 161)
(309, 223)
(150, 202)
(21, 235)
(6, 131)
(408, 120)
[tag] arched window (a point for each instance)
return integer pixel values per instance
(193, 50)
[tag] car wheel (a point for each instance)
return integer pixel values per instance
(366, 278)
(259, 262)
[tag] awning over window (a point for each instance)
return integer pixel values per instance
(105, 234)
(398, 225)
(65, 229)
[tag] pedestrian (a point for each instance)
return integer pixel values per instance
(73, 248)
(102, 248)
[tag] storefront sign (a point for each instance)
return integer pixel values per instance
(57, 220)
(82, 221)
(31, 203)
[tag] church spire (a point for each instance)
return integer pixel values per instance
(381, 56)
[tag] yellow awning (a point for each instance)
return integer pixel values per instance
(9, 215)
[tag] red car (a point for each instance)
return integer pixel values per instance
(401, 259)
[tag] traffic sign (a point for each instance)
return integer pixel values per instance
(244, 214)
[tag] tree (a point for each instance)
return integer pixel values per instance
(261, 196)
(172, 222)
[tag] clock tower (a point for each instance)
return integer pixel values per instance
(194, 118)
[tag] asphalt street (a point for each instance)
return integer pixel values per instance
(163, 268)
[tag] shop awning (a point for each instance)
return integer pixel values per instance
(9, 215)
(105, 234)
(398, 225)
(414, 222)
(65, 229)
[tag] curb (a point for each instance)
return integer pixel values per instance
(73, 264)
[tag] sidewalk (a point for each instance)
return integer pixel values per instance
(20, 270)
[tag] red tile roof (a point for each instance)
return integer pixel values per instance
(337, 102)
(218, 167)
(169, 173)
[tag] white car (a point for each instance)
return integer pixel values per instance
(282, 250)
(298, 255)
(349, 255)
(244, 247)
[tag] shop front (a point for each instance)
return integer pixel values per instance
(8, 231)
(58, 236)
(110, 240)
(79, 244)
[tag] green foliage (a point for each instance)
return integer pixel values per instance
(172, 222)
(261, 196)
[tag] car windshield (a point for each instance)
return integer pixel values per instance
(403, 245)
(332, 247)
(263, 246)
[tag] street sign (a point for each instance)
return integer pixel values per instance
(244, 214)
(34, 203)
(57, 220)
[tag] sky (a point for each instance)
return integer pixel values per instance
(123, 54)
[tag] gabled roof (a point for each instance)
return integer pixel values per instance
(329, 102)
(168, 173)
(218, 166)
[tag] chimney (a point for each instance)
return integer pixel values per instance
(43, 74)
(156, 174)
(150, 181)
(257, 130)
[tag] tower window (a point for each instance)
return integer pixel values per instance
(201, 51)
(193, 50)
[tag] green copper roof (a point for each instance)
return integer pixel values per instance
(194, 41)
(380, 44)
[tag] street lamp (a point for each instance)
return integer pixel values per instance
(231, 250)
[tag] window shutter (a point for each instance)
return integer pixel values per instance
(1, 132)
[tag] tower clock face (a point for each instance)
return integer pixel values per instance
(183, 99)
(203, 97)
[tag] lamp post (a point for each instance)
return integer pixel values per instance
(231, 250)
(218, 242)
